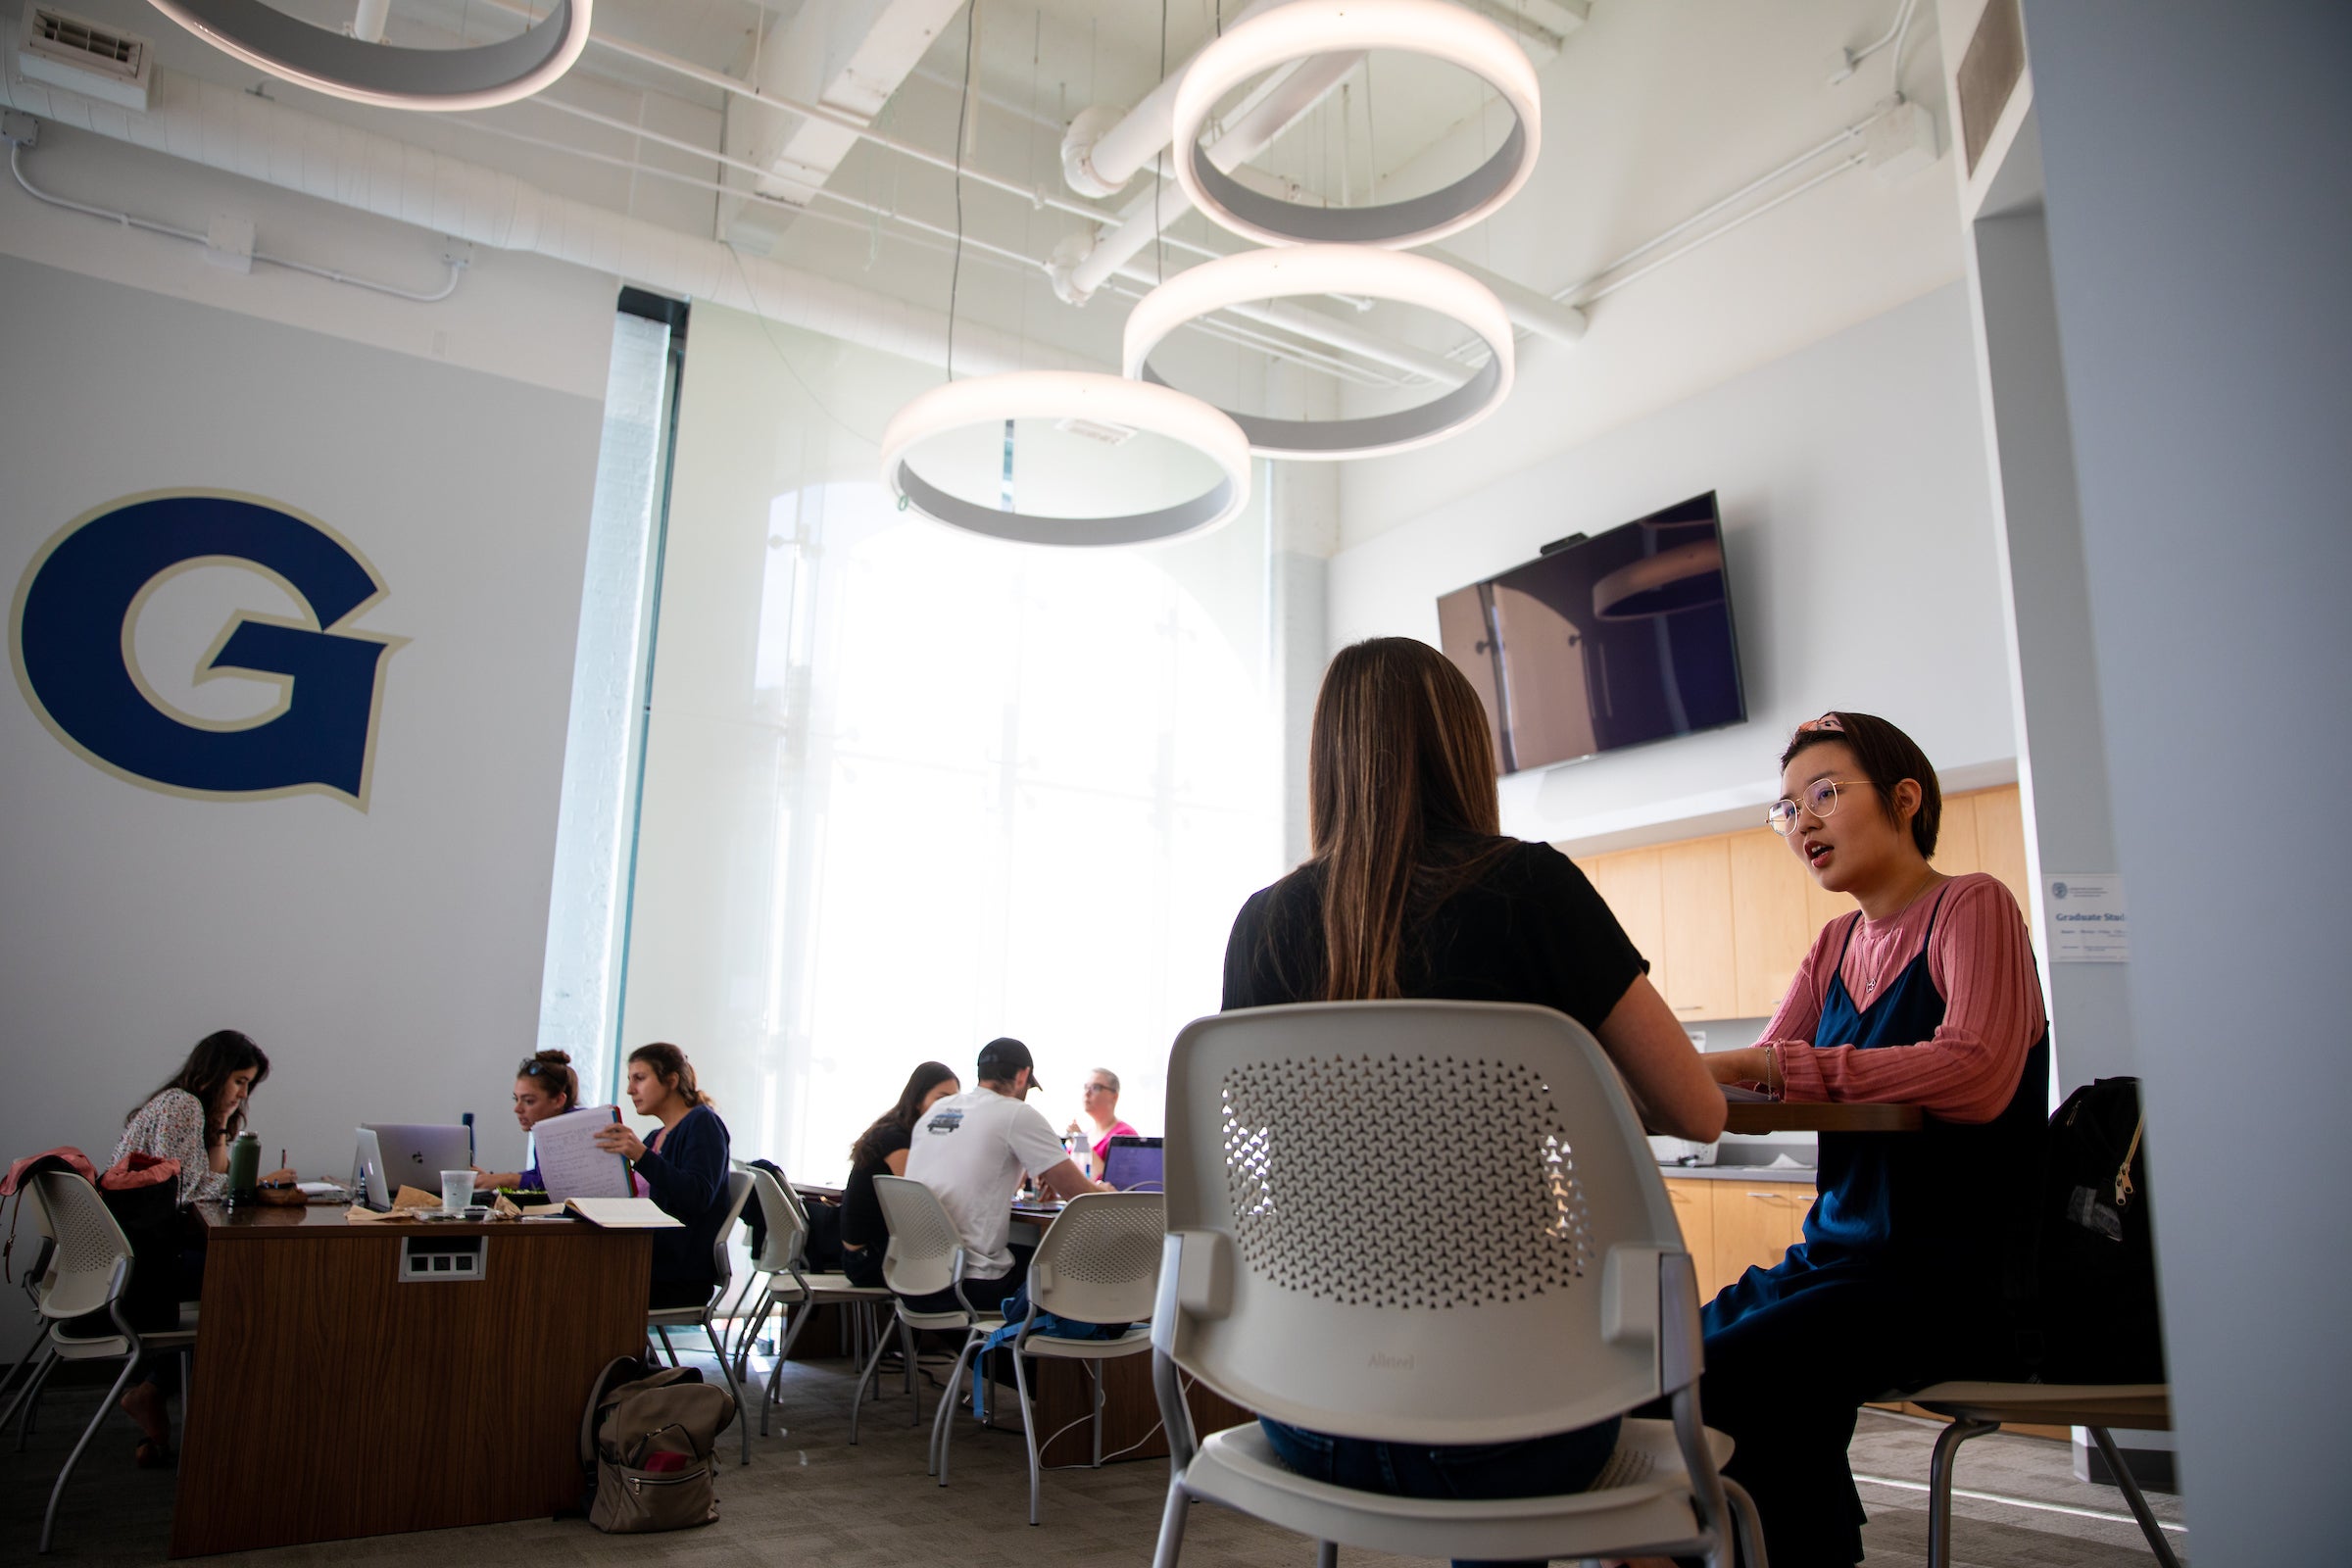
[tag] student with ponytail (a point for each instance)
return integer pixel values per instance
(682, 1167)
(544, 1086)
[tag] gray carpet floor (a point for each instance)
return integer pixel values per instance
(810, 1499)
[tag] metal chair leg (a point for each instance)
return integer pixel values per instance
(34, 1371)
(943, 1420)
(726, 1373)
(30, 1399)
(1327, 1554)
(1172, 1519)
(1744, 1520)
(914, 1402)
(1020, 1381)
(1939, 1486)
(1094, 1373)
(663, 1331)
(858, 1403)
(130, 1364)
(2148, 1525)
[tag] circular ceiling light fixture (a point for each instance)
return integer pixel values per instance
(1108, 406)
(1355, 270)
(392, 76)
(1303, 29)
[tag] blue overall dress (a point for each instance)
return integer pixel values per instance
(1915, 1248)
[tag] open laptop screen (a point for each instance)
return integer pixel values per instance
(1136, 1164)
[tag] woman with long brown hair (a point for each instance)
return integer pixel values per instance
(1412, 891)
(681, 1165)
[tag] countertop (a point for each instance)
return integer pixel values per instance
(1740, 1173)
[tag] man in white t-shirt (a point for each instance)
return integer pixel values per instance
(970, 1150)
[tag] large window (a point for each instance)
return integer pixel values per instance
(906, 790)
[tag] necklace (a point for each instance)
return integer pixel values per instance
(1871, 985)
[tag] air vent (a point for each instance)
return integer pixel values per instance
(1110, 436)
(85, 57)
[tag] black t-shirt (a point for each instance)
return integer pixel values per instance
(1529, 929)
(860, 1210)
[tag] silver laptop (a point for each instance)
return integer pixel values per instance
(399, 1155)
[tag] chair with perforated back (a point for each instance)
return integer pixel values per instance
(781, 1278)
(662, 1319)
(90, 1269)
(1098, 1264)
(1431, 1223)
(925, 1256)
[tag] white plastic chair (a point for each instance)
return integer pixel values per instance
(1098, 1264)
(925, 1256)
(89, 1270)
(1976, 1408)
(706, 1316)
(780, 1278)
(1429, 1222)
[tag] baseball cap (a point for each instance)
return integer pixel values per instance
(1003, 1056)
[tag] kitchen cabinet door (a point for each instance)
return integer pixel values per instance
(1628, 882)
(1756, 1223)
(2001, 843)
(1769, 929)
(1695, 1211)
(1956, 837)
(1695, 882)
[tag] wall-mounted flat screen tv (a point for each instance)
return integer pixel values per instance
(1612, 640)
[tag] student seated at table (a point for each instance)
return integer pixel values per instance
(1914, 1247)
(970, 1150)
(880, 1148)
(1413, 892)
(192, 1119)
(544, 1085)
(682, 1167)
(1099, 1098)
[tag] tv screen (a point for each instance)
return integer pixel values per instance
(1615, 640)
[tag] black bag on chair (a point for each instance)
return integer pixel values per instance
(2098, 1312)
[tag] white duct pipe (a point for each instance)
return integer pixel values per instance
(1150, 212)
(1105, 150)
(239, 133)
(368, 20)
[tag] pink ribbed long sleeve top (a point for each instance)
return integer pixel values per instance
(1982, 962)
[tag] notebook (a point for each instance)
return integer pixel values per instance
(622, 1213)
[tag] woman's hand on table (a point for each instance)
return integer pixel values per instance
(1751, 1065)
(618, 1139)
(283, 1175)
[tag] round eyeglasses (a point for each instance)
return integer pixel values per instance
(1819, 797)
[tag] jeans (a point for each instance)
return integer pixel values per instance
(1535, 1467)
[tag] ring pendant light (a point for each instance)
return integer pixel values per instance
(1069, 395)
(479, 77)
(1303, 29)
(1382, 275)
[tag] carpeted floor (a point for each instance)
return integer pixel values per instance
(809, 1499)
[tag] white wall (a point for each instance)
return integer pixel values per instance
(388, 957)
(1858, 530)
(2199, 210)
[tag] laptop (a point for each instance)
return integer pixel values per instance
(407, 1155)
(1136, 1164)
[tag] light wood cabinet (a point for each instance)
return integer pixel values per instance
(1695, 898)
(1695, 1211)
(1730, 1225)
(1725, 920)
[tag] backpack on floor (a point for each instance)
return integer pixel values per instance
(646, 1442)
(2098, 1315)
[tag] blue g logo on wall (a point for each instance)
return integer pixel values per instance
(77, 608)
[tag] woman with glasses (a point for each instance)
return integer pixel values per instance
(544, 1085)
(1412, 891)
(1100, 1100)
(1917, 1251)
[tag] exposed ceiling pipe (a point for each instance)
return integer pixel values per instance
(369, 18)
(1104, 149)
(1110, 248)
(261, 139)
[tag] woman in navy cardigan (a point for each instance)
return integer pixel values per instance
(682, 1168)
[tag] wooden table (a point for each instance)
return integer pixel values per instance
(1786, 1116)
(333, 1398)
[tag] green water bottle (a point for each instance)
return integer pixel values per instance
(244, 1168)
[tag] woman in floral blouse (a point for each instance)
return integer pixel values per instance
(190, 1119)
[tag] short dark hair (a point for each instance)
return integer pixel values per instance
(1003, 1056)
(1887, 756)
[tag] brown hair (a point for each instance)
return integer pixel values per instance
(1400, 752)
(217, 1055)
(867, 1150)
(667, 1063)
(1887, 756)
(551, 1071)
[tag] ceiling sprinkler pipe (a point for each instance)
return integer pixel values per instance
(368, 22)
(1104, 149)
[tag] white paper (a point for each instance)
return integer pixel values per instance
(2088, 920)
(571, 1165)
(622, 1213)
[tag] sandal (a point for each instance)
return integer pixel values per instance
(154, 1454)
